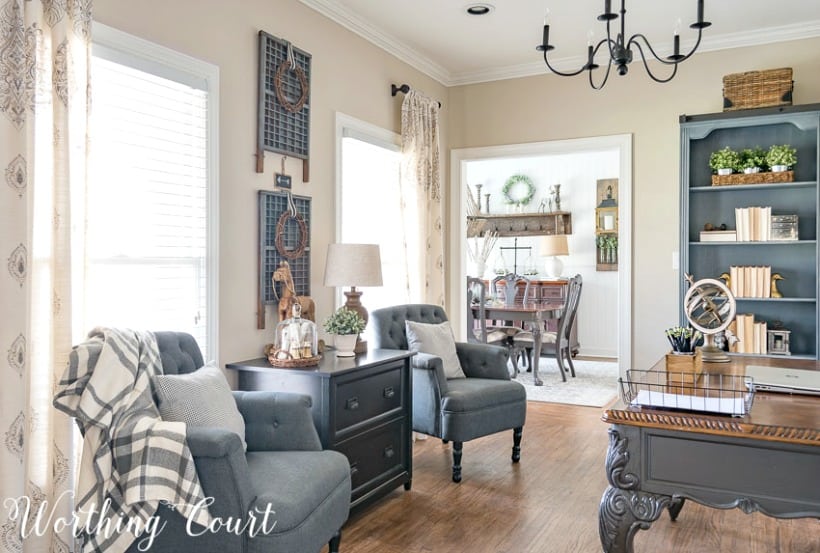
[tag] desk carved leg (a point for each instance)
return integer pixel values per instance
(536, 352)
(624, 508)
(624, 512)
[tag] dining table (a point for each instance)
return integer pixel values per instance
(531, 313)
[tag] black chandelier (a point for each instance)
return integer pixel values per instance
(621, 50)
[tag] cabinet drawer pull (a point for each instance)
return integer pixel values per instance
(354, 468)
(389, 392)
(352, 404)
(389, 452)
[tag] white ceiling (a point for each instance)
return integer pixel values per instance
(440, 39)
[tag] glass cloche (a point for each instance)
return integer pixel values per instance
(297, 342)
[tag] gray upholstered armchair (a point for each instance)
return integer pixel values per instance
(284, 466)
(457, 409)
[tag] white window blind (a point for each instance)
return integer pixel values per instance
(147, 202)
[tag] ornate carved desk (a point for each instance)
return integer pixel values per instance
(767, 461)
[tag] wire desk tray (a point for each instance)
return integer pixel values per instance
(720, 394)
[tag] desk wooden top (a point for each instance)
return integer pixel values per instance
(773, 417)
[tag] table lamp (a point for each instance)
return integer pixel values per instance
(354, 265)
(552, 246)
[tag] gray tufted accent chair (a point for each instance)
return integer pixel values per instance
(458, 409)
(284, 466)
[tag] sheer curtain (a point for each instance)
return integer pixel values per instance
(44, 58)
(422, 211)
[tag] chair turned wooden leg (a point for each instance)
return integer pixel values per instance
(569, 362)
(333, 545)
(516, 453)
(514, 358)
(457, 461)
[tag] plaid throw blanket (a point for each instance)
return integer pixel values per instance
(131, 459)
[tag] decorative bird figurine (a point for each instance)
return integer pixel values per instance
(775, 293)
(727, 279)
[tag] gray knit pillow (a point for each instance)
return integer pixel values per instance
(199, 399)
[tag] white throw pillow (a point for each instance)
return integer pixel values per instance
(438, 340)
(200, 399)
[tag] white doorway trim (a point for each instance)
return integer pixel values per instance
(458, 212)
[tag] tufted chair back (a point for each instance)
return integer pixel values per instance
(388, 323)
(179, 352)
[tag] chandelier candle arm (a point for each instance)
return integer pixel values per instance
(621, 50)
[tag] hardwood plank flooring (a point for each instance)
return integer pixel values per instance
(546, 503)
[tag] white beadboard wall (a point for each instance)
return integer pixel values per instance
(577, 173)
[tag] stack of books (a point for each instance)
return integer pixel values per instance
(751, 335)
(750, 282)
(753, 224)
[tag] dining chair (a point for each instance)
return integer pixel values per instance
(556, 343)
(509, 291)
(477, 332)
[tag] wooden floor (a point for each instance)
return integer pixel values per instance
(547, 503)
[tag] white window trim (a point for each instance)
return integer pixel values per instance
(199, 71)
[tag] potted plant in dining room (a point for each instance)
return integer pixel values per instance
(345, 326)
(781, 158)
(724, 161)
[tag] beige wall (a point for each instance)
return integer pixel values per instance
(548, 107)
(350, 75)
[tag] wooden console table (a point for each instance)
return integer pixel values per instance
(767, 461)
(362, 407)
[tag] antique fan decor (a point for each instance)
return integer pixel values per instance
(710, 307)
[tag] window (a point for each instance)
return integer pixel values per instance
(369, 204)
(150, 246)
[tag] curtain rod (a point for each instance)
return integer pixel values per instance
(404, 88)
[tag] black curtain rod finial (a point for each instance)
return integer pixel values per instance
(405, 88)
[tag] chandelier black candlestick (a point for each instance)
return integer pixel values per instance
(620, 48)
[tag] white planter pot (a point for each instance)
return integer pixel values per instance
(779, 168)
(751, 170)
(725, 171)
(345, 344)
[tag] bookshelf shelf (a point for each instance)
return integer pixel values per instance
(745, 187)
(701, 204)
(758, 243)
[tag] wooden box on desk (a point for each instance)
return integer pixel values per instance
(684, 368)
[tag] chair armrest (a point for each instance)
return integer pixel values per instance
(483, 360)
(432, 364)
(277, 421)
(429, 386)
(222, 470)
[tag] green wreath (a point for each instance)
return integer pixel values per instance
(512, 185)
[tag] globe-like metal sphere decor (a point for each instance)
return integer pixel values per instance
(710, 308)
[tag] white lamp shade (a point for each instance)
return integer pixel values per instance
(353, 265)
(555, 244)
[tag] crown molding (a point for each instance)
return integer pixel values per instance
(351, 21)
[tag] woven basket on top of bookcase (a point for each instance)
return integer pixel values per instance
(758, 89)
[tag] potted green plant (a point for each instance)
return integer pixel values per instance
(724, 161)
(752, 160)
(780, 158)
(345, 326)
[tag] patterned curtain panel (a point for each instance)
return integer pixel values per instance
(422, 209)
(44, 60)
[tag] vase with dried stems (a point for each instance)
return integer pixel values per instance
(479, 249)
